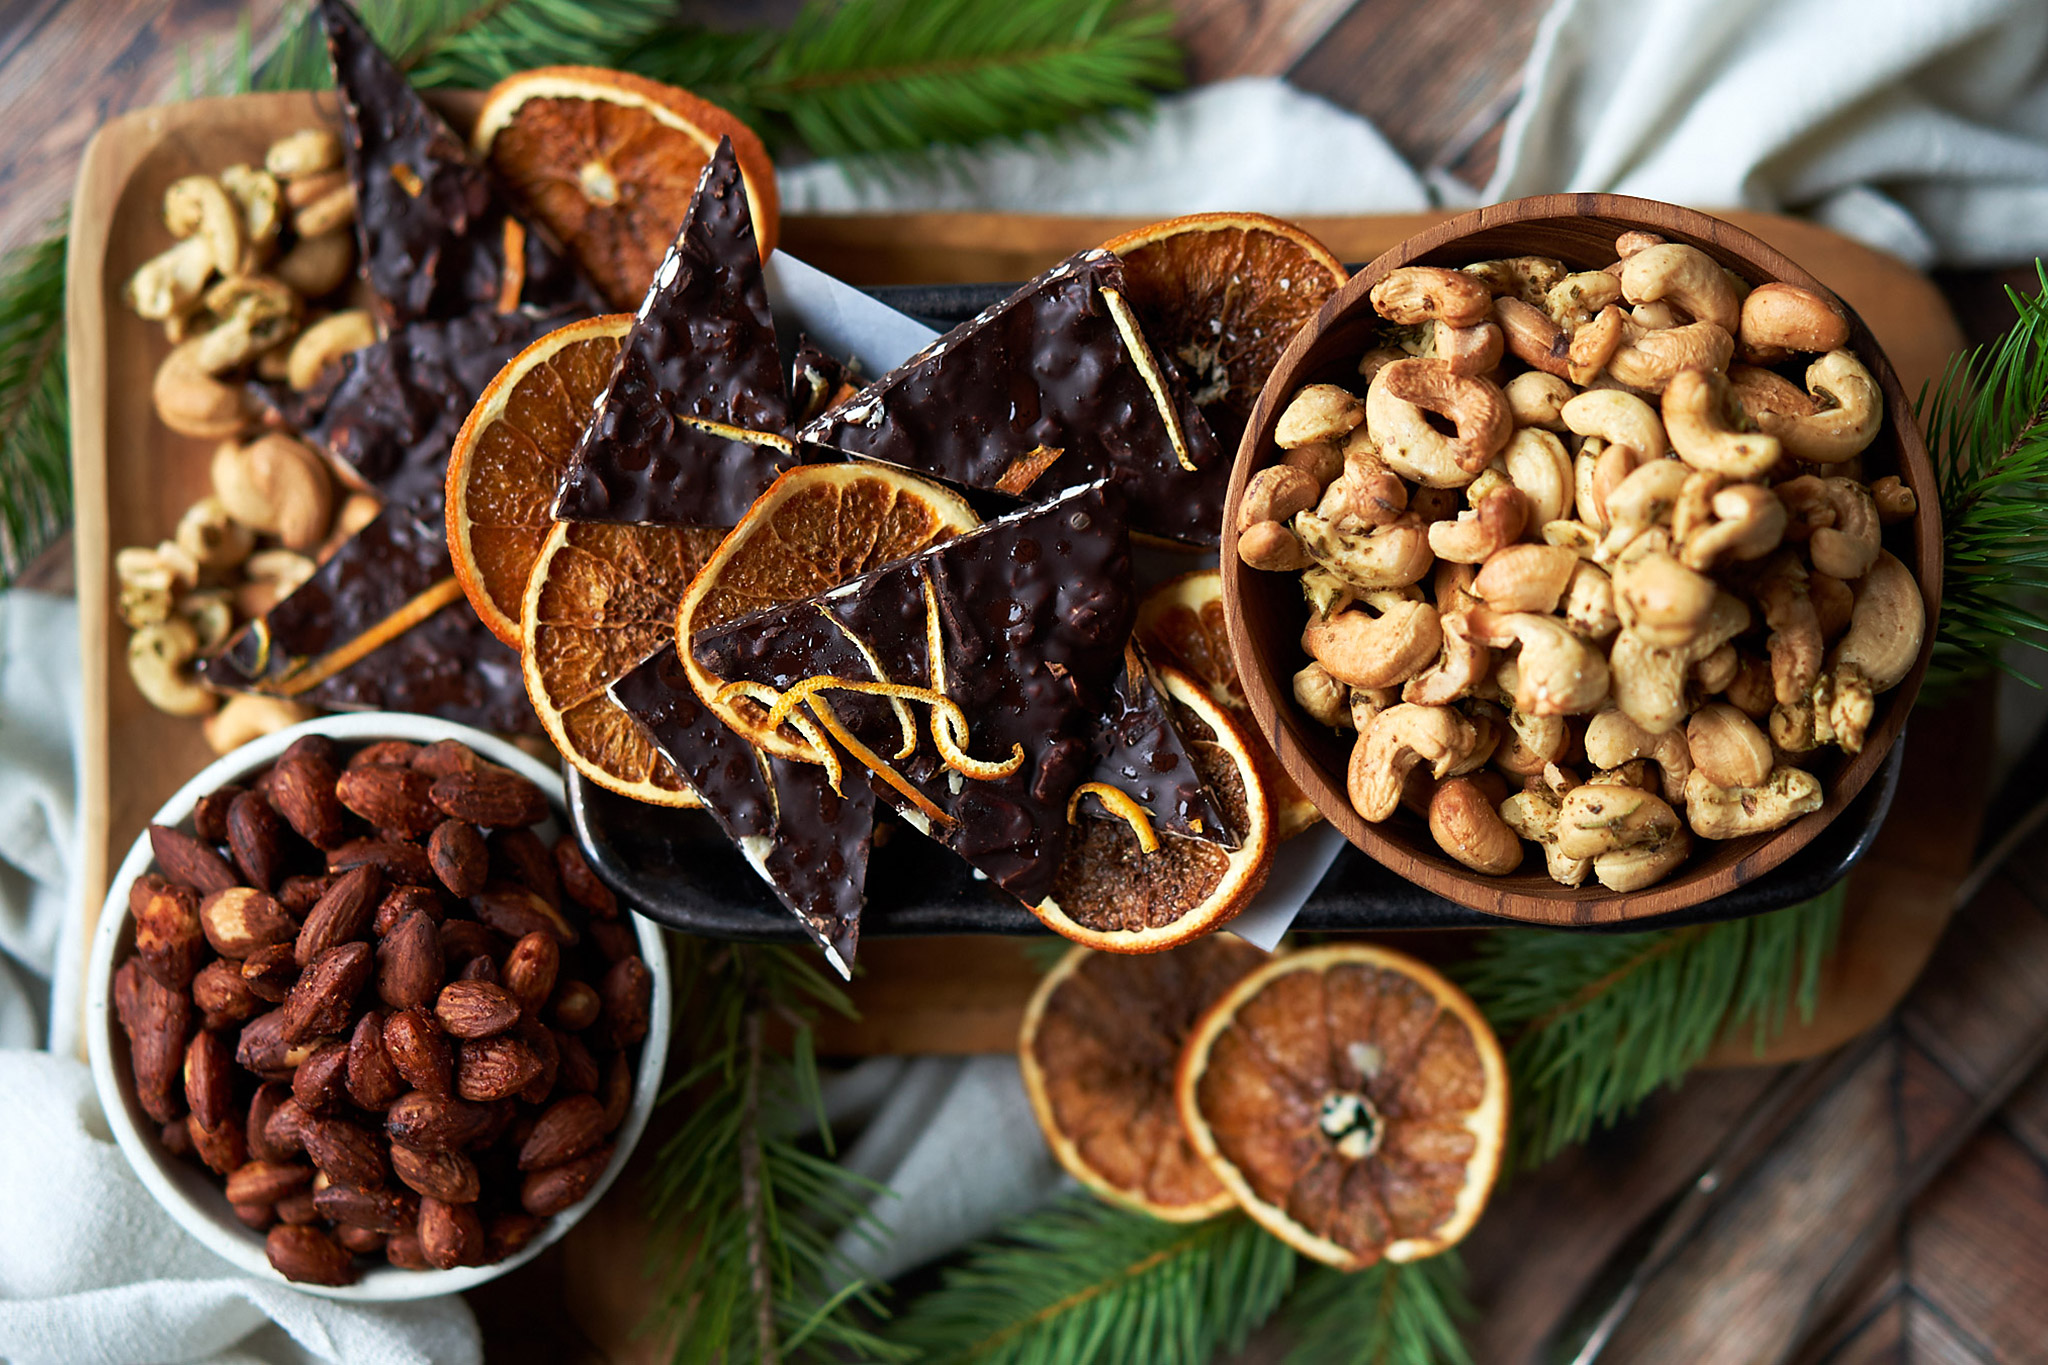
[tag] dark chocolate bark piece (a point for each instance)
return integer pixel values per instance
(808, 842)
(1031, 613)
(1140, 752)
(1042, 391)
(817, 380)
(438, 237)
(701, 351)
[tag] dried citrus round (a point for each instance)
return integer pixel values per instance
(508, 460)
(1353, 1100)
(1101, 1040)
(601, 601)
(1111, 893)
(815, 527)
(608, 160)
(1181, 622)
(1224, 293)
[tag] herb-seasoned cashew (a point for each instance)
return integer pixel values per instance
(246, 717)
(1526, 578)
(157, 659)
(1833, 603)
(1556, 674)
(1457, 672)
(168, 285)
(255, 314)
(1660, 601)
(1895, 501)
(1643, 500)
(1685, 276)
(1467, 350)
(1850, 415)
(191, 401)
(1795, 642)
(1649, 683)
(1632, 869)
(1397, 407)
(1598, 818)
(1394, 743)
(1270, 546)
(1589, 610)
(1359, 649)
(1365, 495)
(1532, 338)
(1743, 521)
(1840, 518)
(1717, 812)
(214, 539)
(1717, 670)
(326, 342)
(1751, 690)
(197, 206)
(1726, 746)
(1323, 697)
(1778, 319)
(1612, 739)
(1535, 399)
(1538, 465)
(1322, 461)
(1706, 428)
(1389, 556)
(1466, 826)
(1533, 815)
(1649, 361)
(317, 266)
(1425, 293)
(261, 202)
(306, 152)
(1320, 412)
(1597, 470)
(1528, 278)
(1634, 240)
(1577, 299)
(1886, 628)
(1655, 317)
(1476, 535)
(278, 485)
(1593, 345)
(1367, 702)
(1758, 391)
(1576, 536)
(1619, 419)
(1276, 493)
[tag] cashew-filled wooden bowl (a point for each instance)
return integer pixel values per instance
(1268, 610)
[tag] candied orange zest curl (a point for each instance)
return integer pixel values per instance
(949, 722)
(924, 804)
(1118, 803)
(762, 693)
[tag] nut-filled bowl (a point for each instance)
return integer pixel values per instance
(1267, 609)
(486, 1158)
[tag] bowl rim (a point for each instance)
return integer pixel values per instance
(1558, 905)
(190, 1193)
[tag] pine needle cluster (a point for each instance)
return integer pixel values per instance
(1385, 1315)
(35, 428)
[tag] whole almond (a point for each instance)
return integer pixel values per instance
(222, 1147)
(210, 815)
(300, 893)
(302, 789)
(459, 857)
(419, 1051)
(519, 856)
(530, 970)
(176, 1138)
(240, 919)
(627, 991)
(263, 1048)
(548, 1191)
(222, 996)
(450, 1234)
(494, 1068)
(463, 939)
(566, 1130)
(480, 968)
(168, 936)
(268, 1097)
(402, 863)
(541, 1039)
(348, 1153)
(436, 1123)
(320, 1085)
(616, 1091)
(358, 1241)
(257, 1217)
(475, 1009)
(308, 1255)
(297, 1209)
(373, 1082)
(445, 756)
(614, 939)
(377, 1210)
(256, 836)
(493, 797)
(402, 1249)
(581, 882)
(409, 963)
(285, 1130)
(448, 1176)
(343, 914)
(209, 1079)
(395, 751)
(266, 1182)
(576, 1005)
(323, 1000)
(188, 860)
(156, 1020)
(516, 912)
(509, 1233)
(270, 973)
(390, 798)
(401, 901)
(578, 1074)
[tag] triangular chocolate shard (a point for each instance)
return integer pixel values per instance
(695, 422)
(438, 237)
(1051, 387)
(1028, 616)
(1140, 752)
(808, 842)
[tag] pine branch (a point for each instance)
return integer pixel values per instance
(745, 1213)
(1386, 1315)
(1600, 1021)
(35, 428)
(1082, 1282)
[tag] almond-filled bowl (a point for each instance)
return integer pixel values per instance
(456, 1071)
(1581, 559)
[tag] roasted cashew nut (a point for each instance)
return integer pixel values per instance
(1397, 407)
(1526, 578)
(1394, 743)
(1644, 499)
(1839, 517)
(1726, 746)
(1532, 338)
(1742, 521)
(1886, 627)
(261, 202)
(211, 537)
(1649, 683)
(197, 206)
(1359, 649)
(277, 485)
(1619, 419)
(1594, 345)
(191, 402)
(1495, 523)
(1577, 299)
(1706, 428)
(317, 266)
(1850, 414)
(306, 152)
(1779, 319)
(157, 659)
(1533, 815)
(1323, 697)
(325, 343)
(1320, 412)
(1650, 360)
(1612, 739)
(1589, 610)
(1632, 869)
(1426, 293)
(1467, 350)
(1457, 673)
(1717, 812)
(1556, 673)
(1601, 818)
(1539, 467)
(1536, 399)
(1660, 601)
(1270, 546)
(1276, 493)
(1685, 276)
(1365, 495)
(256, 314)
(1466, 826)
(1895, 501)
(1389, 556)
(1322, 461)
(168, 285)
(1527, 278)
(246, 717)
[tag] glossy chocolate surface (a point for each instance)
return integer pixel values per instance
(431, 221)
(703, 347)
(1045, 369)
(1139, 751)
(812, 843)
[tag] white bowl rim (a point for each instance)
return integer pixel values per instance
(173, 1181)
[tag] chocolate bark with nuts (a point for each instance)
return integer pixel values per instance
(678, 439)
(1047, 389)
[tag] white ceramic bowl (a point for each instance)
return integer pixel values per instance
(191, 1193)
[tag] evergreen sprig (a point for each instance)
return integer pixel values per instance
(1385, 1315)
(1987, 431)
(744, 1209)
(35, 431)
(1597, 1022)
(1081, 1282)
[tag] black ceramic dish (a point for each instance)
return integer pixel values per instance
(676, 868)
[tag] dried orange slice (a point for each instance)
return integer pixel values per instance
(1112, 894)
(1223, 294)
(608, 160)
(1181, 622)
(816, 526)
(600, 603)
(1353, 1100)
(1101, 1040)
(508, 460)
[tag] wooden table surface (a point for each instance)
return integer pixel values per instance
(1965, 1279)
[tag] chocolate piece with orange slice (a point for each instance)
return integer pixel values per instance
(438, 238)
(1052, 387)
(1098, 1051)
(693, 423)
(1353, 1100)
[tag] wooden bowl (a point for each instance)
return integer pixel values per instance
(1265, 611)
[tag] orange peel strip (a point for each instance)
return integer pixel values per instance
(762, 693)
(924, 804)
(1118, 803)
(949, 722)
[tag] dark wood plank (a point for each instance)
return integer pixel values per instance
(2026, 1116)
(1978, 1245)
(1932, 1338)
(1878, 1339)
(1226, 38)
(1986, 991)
